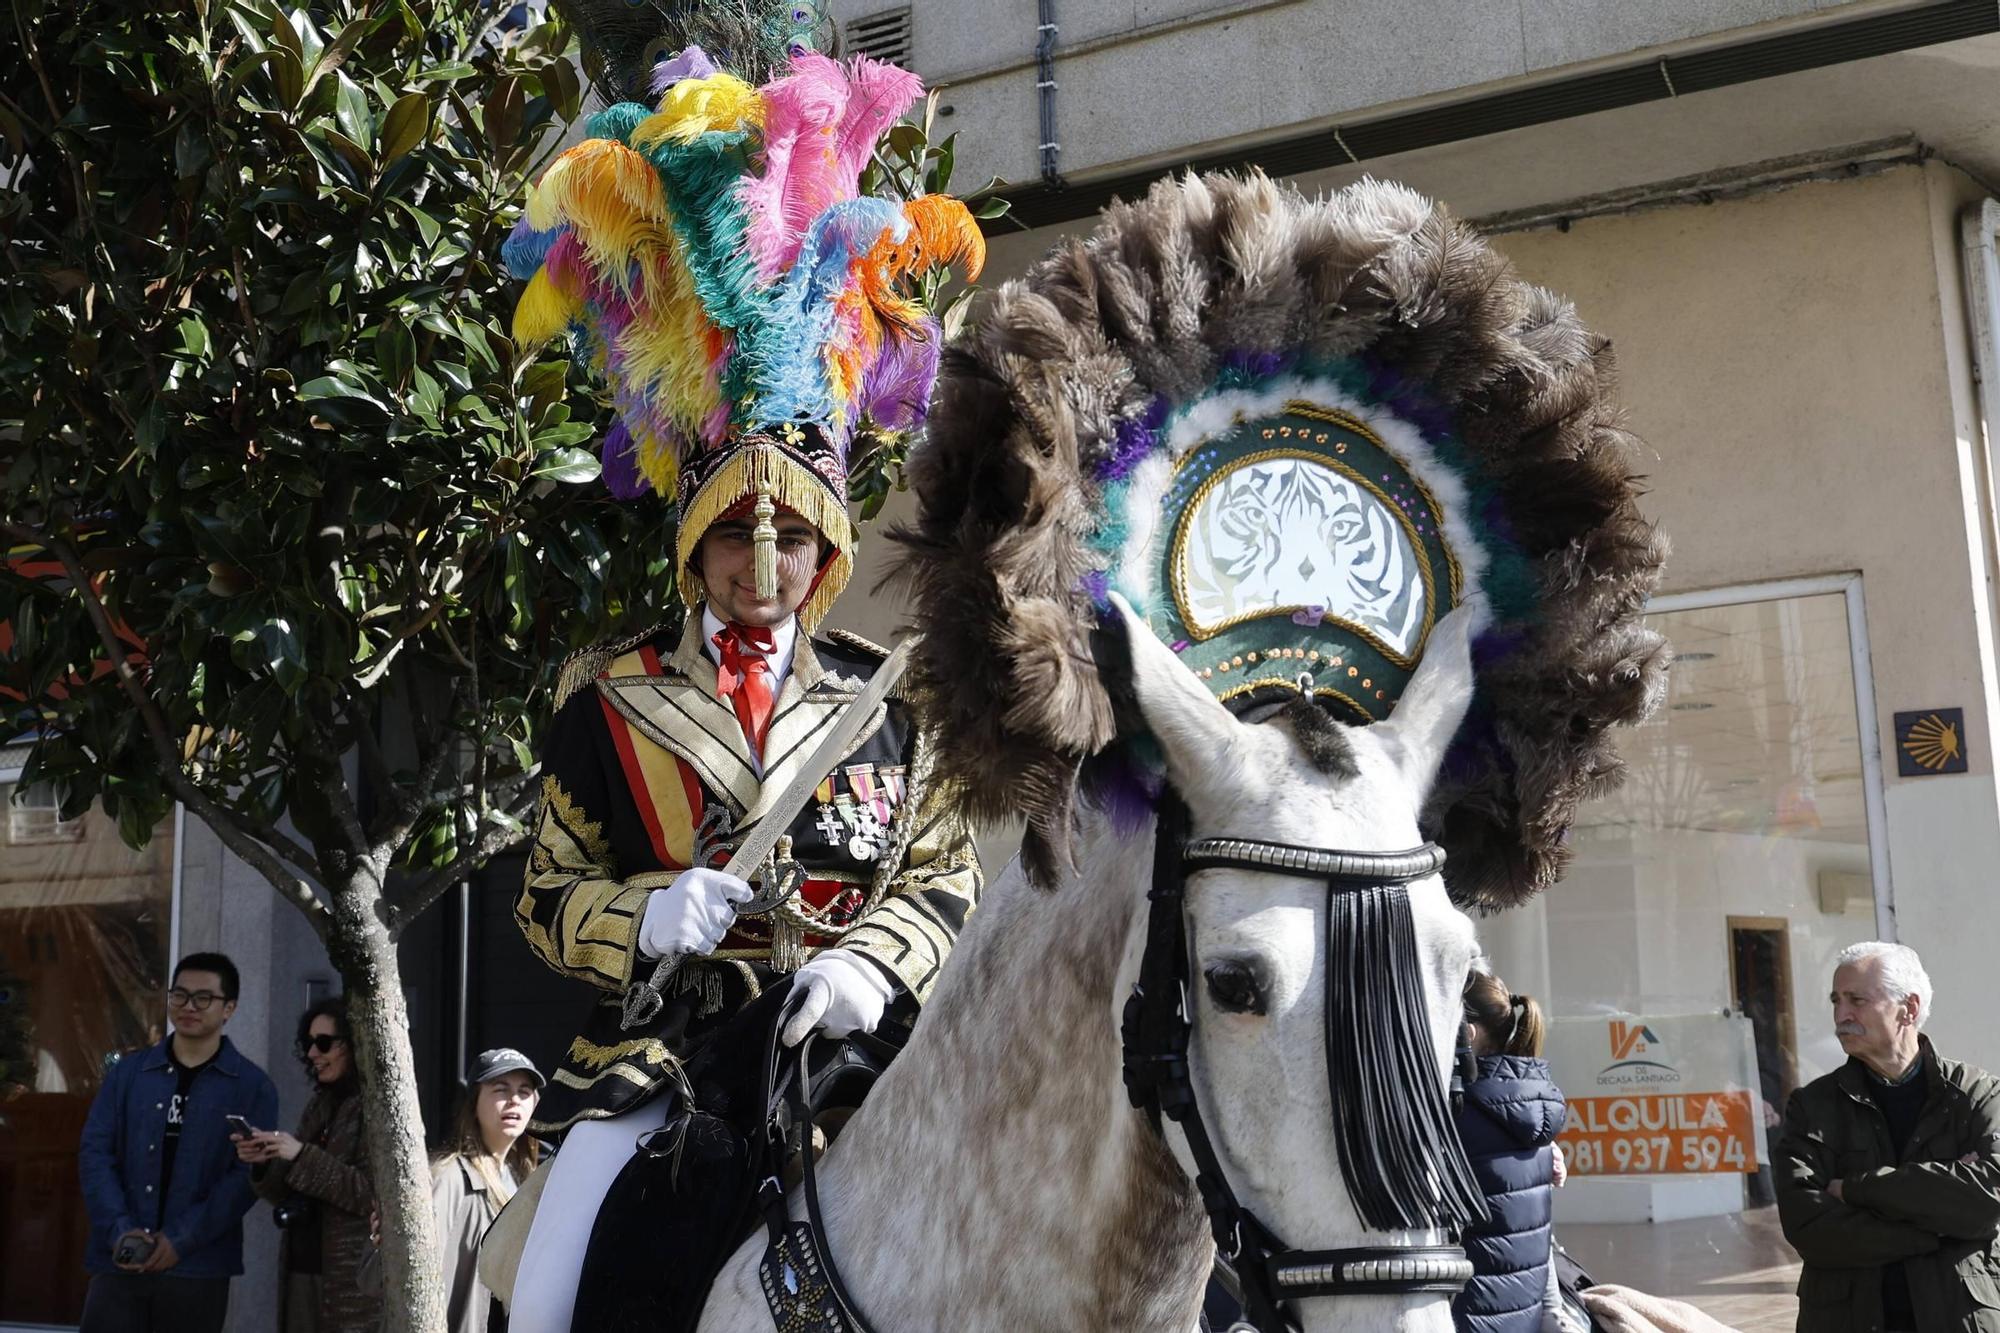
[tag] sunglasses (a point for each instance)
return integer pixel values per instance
(322, 1043)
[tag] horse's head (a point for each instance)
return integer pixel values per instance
(1277, 993)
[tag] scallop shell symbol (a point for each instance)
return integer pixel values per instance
(1932, 742)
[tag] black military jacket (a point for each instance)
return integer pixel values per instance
(643, 760)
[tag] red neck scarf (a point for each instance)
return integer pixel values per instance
(743, 678)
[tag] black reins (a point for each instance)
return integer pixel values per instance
(1158, 1026)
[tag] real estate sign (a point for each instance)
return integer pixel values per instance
(1668, 1095)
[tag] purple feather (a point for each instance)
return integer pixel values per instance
(1126, 792)
(1134, 440)
(896, 390)
(621, 464)
(692, 63)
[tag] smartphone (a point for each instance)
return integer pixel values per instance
(238, 1125)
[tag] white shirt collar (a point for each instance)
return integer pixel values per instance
(784, 639)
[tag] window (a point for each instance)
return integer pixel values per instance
(32, 816)
(1684, 960)
(85, 926)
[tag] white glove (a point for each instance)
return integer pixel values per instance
(692, 914)
(836, 993)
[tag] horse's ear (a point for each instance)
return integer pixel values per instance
(1190, 725)
(1428, 715)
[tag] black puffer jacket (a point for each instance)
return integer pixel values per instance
(1507, 1120)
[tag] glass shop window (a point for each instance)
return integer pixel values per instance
(84, 933)
(1684, 961)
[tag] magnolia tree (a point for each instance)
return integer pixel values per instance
(297, 534)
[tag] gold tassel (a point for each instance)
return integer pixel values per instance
(765, 538)
(788, 944)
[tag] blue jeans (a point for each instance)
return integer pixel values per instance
(154, 1303)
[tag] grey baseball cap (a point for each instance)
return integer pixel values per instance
(502, 1060)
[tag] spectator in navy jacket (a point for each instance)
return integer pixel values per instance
(1508, 1116)
(161, 1178)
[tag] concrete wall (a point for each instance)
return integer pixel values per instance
(1796, 363)
(1144, 81)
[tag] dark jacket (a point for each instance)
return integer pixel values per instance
(1507, 1119)
(119, 1159)
(1935, 1213)
(331, 1171)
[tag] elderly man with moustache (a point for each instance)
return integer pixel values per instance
(1888, 1169)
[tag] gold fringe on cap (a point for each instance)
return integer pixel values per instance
(769, 471)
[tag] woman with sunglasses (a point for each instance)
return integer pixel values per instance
(318, 1181)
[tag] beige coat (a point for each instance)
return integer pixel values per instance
(465, 1208)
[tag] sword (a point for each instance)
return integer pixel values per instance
(644, 1000)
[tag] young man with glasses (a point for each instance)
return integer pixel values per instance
(161, 1178)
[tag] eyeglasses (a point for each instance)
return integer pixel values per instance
(197, 1000)
(321, 1042)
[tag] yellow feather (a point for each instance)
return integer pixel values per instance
(693, 107)
(543, 311)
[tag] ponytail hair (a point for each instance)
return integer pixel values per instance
(1511, 1024)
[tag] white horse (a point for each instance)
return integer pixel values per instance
(997, 1178)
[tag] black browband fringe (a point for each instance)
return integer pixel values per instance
(1399, 1149)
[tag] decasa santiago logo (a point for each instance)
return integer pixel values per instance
(1637, 1056)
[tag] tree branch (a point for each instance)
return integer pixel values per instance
(251, 847)
(409, 903)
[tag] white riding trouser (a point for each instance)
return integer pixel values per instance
(580, 1176)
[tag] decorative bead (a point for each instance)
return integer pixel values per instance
(1354, 671)
(1313, 656)
(1367, 684)
(1252, 656)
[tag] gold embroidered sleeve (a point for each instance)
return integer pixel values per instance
(911, 931)
(574, 909)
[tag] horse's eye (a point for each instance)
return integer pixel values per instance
(1234, 988)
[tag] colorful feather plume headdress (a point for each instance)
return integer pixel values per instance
(710, 254)
(1293, 434)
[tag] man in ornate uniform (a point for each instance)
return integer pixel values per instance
(710, 255)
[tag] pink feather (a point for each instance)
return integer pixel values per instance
(879, 94)
(800, 174)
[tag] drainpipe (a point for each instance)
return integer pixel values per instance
(1978, 226)
(1045, 88)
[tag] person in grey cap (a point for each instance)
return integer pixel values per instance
(486, 1157)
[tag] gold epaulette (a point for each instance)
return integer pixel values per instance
(587, 664)
(852, 640)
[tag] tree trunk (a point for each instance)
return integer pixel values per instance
(412, 1282)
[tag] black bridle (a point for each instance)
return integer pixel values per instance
(1409, 1176)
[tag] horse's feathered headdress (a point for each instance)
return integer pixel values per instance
(1293, 434)
(710, 252)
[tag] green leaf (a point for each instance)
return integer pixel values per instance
(502, 115)
(395, 350)
(348, 152)
(447, 72)
(567, 465)
(427, 226)
(406, 125)
(351, 110)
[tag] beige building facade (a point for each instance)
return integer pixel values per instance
(1793, 263)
